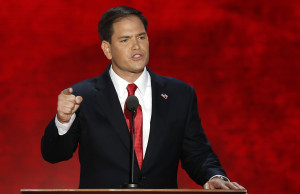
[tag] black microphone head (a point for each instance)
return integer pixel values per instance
(132, 103)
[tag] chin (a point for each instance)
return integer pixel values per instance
(140, 70)
(139, 67)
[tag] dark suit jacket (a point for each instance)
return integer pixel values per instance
(104, 141)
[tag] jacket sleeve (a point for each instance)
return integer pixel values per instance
(197, 157)
(55, 147)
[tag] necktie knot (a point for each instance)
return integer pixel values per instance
(131, 88)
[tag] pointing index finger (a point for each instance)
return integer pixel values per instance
(67, 91)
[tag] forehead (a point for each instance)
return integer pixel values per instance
(128, 25)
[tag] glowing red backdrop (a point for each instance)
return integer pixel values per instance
(242, 57)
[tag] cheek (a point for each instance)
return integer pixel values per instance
(146, 46)
(119, 53)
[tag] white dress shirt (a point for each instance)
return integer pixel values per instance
(143, 93)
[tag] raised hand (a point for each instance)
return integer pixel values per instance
(67, 105)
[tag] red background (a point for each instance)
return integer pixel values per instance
(241, 56)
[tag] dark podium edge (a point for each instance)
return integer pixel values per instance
(127, 191)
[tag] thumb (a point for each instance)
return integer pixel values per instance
(78, 99)
(206, 186)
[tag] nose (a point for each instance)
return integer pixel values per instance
(136, 44)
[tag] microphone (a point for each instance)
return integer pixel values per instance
(132, 104)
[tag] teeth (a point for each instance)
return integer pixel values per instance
(136, 56)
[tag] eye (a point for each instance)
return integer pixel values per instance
(124, 40)
(142, 37)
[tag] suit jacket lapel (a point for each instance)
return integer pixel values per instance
(159, 108)
(107, 98)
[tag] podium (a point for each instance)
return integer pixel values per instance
(129, 191)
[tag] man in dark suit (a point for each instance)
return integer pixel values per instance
(92, 114)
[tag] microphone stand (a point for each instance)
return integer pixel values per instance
(131, 184)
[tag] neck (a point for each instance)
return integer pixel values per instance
(132, 78)
(128, 76)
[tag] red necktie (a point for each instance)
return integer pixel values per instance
(138, 126)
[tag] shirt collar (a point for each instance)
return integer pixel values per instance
(121, 84)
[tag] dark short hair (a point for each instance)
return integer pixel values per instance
(105, 25)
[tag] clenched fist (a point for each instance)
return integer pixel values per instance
(67, 105)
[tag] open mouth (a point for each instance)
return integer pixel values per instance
(137, 57)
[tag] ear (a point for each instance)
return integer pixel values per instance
(106, 48)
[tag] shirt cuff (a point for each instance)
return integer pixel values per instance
(63, 128)
(221, 177)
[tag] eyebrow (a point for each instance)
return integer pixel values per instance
(140, 34)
